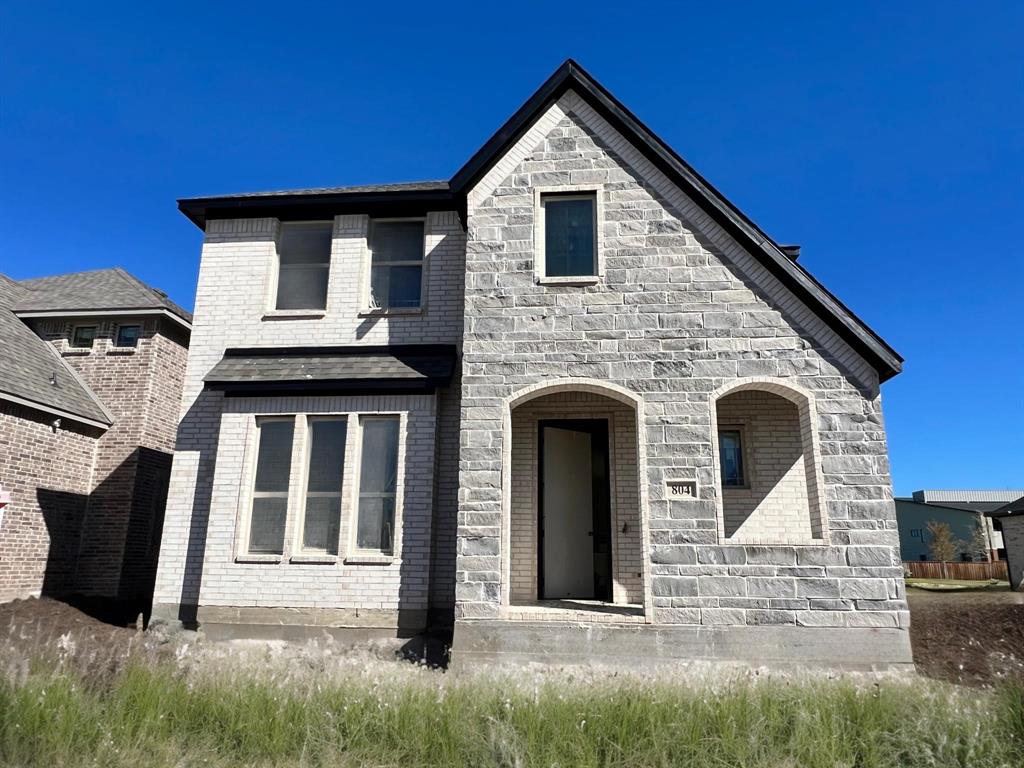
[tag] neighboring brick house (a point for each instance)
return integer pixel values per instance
(571, 400)
(92, 373)
(1010, 518)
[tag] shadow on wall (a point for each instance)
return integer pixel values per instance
(117, 527)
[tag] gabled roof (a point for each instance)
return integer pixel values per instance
(571, 76)
(1015, 507)
(34, 375)
(101, 290)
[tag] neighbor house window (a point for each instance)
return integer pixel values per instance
(83, 336)
(570, 234)
(128, 335)
(304, 258)
(730, 448)
(322, 518)
(396, 264)
(378, 482)
(270, 488)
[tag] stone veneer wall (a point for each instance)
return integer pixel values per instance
(48, 474)
(680, 312)
(774, 505)
(1013, 540)
(141, 387)
(234, 309)
(627, 586)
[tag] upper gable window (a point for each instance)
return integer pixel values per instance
(83, 336)
(304, 258)
(396, 264)
(569, 225)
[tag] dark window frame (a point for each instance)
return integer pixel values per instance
(75, 344)
(546, 198)
(744, 469)
(135, 342)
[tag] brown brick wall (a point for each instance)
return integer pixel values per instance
(141, 387)
(48, 474)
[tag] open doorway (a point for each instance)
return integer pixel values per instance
(574, 504)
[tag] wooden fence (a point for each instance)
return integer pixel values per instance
(920, 569)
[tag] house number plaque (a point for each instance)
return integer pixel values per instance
(682, 489)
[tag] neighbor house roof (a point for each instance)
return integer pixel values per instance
(402, 199)
(97, 291)
(1015, 507)
(34, 375)
(413, 367)
(983, 501)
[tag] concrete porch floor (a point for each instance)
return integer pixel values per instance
(575, 611)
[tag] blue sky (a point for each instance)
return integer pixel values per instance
(887, 141)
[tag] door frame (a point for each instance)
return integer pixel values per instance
(598, 427)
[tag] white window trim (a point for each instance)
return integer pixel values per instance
(367, 277)
(302, 553)
(354, 554)
(566, 191)
(242, 553)
(272, 312)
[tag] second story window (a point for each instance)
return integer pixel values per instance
(83, 335)
(570, 234)
(128, 335)
(304, 259)
(396, 264)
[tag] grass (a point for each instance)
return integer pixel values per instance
(152, 714)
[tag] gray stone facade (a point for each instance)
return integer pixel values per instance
(677, 319)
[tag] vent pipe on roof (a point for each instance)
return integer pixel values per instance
(792, 251)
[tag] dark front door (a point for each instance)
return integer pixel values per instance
(575, 511)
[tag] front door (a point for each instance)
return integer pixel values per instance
(575, 526)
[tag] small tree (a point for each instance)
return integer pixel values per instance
(943, 546)
(980, 548)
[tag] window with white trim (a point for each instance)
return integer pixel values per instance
(269, 505)
(304, 263)
(378, 484)
(321, 520)
(396, 264)
(569, 225)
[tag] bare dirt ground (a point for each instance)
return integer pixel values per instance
(969, 638)
(972, 638)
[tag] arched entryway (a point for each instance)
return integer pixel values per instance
(573, 527)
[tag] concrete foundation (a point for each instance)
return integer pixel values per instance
(300, 624)
(478, 642)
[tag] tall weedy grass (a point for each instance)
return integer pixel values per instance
(152, 715)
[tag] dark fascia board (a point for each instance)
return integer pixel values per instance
(571, 76)
(398, 350)
(292, 207)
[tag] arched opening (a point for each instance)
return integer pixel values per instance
(766, 465)
(573, 534)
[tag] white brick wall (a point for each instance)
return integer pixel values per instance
(234, 309)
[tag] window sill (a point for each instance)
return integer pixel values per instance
(578, 280)
(313, 559)
(389, 312)
(269, 559)
(770, 542)
(122, 351)
(369, 559)
(294, 314)
(75, 352)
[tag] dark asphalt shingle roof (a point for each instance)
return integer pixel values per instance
(1013, 507)
(97, 290)
(364, 189)
(412, 365)
(27, 364)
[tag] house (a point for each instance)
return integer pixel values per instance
(1010, 519)
(570, 400)
(90, 381)
(962, 510)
